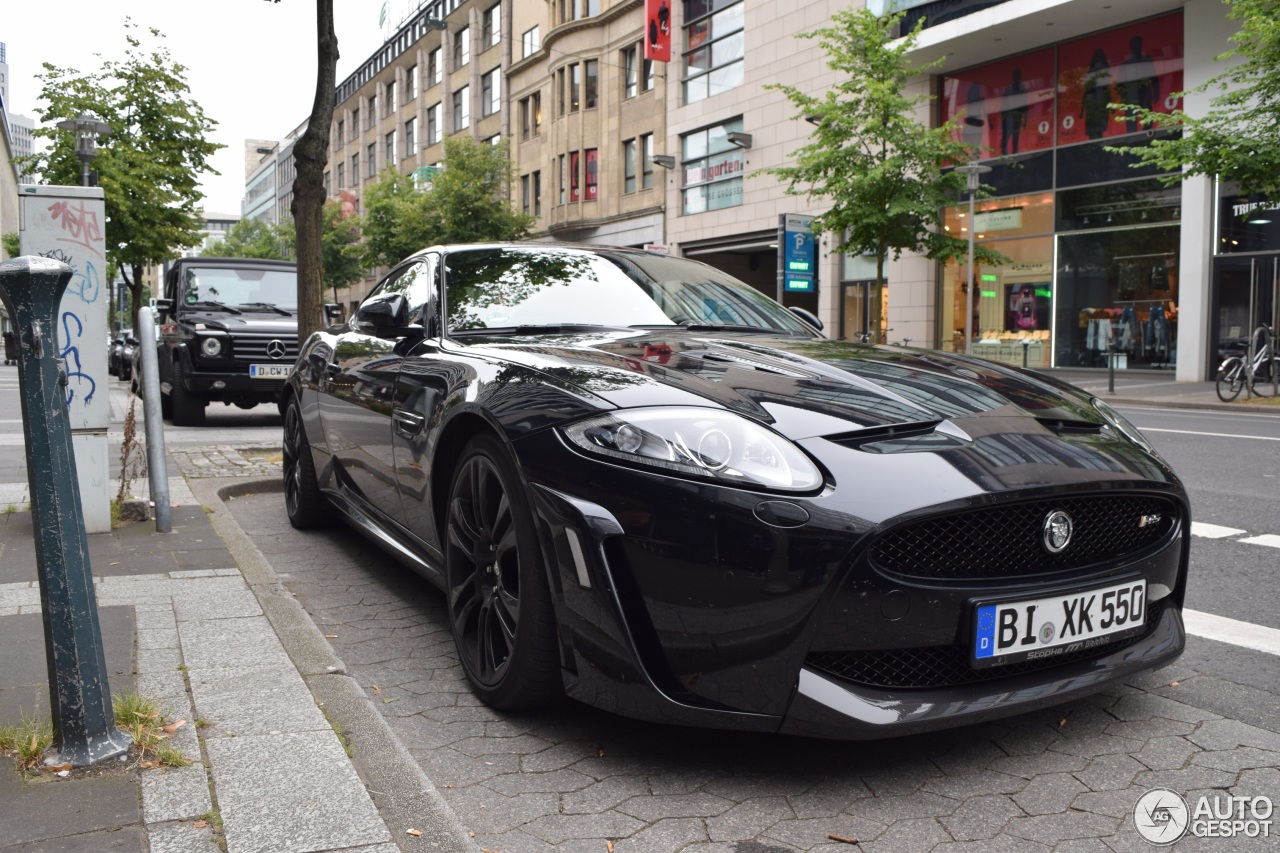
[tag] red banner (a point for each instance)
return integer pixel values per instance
(657, 39)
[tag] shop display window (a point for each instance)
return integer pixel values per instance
(1009, 304)
(1005, 107)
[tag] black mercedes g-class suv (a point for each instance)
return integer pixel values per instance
(228, 331)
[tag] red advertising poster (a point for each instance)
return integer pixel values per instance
(1139, 64)
(593, 155)
(1005, 108)
(657, 39)
(573, 176)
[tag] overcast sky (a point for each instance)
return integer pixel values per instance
(250, 63)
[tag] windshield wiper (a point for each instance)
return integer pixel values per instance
(217, 306)
(281, 311)
(537, 329)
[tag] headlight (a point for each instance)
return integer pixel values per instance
(211, 347)
(703, 443)
(1121, 423)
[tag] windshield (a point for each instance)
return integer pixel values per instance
(236, 287)
(513, 287)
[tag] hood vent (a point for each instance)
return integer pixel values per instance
(745, 363)
(893, 432)
(1063, 426)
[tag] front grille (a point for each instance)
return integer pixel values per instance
(253, 348)
(948, 666)
(1008, 541)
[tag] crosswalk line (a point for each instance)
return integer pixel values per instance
(1271, 540)
(1213, 531)
(1250, 636)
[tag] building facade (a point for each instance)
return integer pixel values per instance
(608, 147)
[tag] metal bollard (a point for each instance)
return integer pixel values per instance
(84, 729)
(1026, 346)
(149, 380)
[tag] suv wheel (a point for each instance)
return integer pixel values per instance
(188, 409)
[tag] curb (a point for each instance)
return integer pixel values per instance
(403, 794)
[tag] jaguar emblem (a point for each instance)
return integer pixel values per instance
(1057, 531)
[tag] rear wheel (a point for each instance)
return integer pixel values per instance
(1263, 378)
(1230, 379)
(188, 409)
(499, 600)
(304, 503)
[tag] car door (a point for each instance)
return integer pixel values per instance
(356, 410)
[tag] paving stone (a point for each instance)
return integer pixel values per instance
(43, 807)
(1048, 794)
(1142, 730)
(749, 818)
(917, 834)
(1235, 760)
(557, 829)
(979, 818)
(1030, 766)
(1000, 844)
(1103, 744)
(557, 781)
(1109, 772)
(969, 755)
(603, 795)
(978, 783)
(696, 804)
(1185, 780)
(1167, 753)
(829, 798)
(1149, 706)
(231, 644)
(254, 700)
(668, 834)
(805, 834)
(487, 811)
(1050, 829)
(890, 810)
(1118, 803)
(177, 793)
(1228, 734)
(181, 838)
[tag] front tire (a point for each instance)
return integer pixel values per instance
(1230, 379)
(188, 409)
(499, 599)
(305, 504)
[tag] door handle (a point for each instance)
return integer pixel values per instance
(407, 423)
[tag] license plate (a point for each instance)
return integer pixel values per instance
(1013, 631)
(269, 371)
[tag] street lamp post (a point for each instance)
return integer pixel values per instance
(973, 171)
(87, 129)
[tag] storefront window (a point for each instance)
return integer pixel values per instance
(1117, 289)
(1011, 303)
(1007, 106)
(713, 169)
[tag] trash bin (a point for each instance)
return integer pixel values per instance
(10, 348)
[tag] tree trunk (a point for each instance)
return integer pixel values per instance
(135, 295)
(311, 155)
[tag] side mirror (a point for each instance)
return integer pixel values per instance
(164, 306)
(807, 317)
(386, 317)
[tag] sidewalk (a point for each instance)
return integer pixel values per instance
(1158, 388)
(289, 753)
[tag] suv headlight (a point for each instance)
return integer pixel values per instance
(703, 443)
(211, 347)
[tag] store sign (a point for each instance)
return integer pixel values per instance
(721, 167)
(998, 220)
(799, 262)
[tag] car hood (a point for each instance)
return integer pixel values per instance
(802, 387)
(250, 321)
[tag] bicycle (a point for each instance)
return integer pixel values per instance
(1259, 371)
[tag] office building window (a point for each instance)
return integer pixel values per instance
(355, 123)
(590, 8)
(537, 193)
(575, 175)
(629, 150)
(591, 169)
(339, 136)
(646, 76)
(391, 103)
(560, 92)
(355, 168)
(435, 67)
(713, 61)
(411, 137)
(575, 87)
(712, 167)
(526, 200)
(590, 83)
(371, 112)
(411, 83)
(342, 180)
(391, 150)
(561, 179)
(530, 42)
(461, 48)
(531, 116)
(630, 71)
(462, 108)
(372, 156)
(434, 123)
(646, 161)
(491, 92)
(492, 25)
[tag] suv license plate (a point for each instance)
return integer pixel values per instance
(269, 371)
(1013, 631)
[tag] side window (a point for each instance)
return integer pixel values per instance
(419, 285)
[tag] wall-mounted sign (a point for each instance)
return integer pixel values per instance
(998, 220)
(798, 255)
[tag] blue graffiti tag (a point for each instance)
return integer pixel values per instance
(71, 355)
(85, 284)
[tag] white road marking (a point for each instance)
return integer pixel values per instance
(1213, 531)
(1212, 434)
(1210, 627)
(1269, 539)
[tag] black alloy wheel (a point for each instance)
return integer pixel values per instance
(188, 409)
(499, 601)
(304, 503)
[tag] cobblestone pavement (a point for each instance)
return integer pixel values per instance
(575, 779)
(222, 460)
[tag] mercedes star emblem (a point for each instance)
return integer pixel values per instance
(1057, 531)
(275, 349)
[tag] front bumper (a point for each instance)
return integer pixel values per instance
(232, 385)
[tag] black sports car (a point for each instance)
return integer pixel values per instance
(645, 485)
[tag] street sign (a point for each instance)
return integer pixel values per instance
(798, 258)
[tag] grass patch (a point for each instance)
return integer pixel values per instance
(143, 721)
(27, 742)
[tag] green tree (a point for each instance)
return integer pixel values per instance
(252, 238)
(150, 166)
(1236, 139)
(468, 201)
(885, 175)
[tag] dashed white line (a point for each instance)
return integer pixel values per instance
(1213, 531)
(1271, 540)
(1212, 434)
(1250, 636)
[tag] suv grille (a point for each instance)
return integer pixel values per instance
(948, 666)
(1008, 541)
(253, 348)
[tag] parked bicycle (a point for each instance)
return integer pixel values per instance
(1259, 372)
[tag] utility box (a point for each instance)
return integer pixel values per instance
(69, 224)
